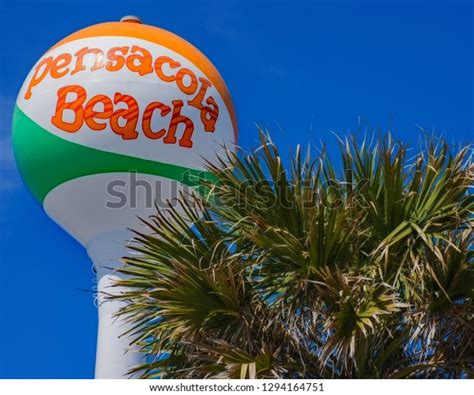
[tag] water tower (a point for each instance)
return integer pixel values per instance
(109, 103)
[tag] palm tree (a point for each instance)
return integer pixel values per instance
(311, 270)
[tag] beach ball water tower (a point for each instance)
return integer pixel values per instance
(107, 101)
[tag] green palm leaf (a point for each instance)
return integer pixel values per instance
(361, 269)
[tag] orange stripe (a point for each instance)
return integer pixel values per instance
(168, 40)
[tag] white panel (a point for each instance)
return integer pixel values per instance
(80, 206)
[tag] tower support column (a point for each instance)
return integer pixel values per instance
(114, 355)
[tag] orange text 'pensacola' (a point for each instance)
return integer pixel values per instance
(137, 60)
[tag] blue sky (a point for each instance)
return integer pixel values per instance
(300, 68)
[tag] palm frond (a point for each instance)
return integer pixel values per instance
(361, 269)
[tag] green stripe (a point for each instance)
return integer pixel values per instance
(46, 161)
